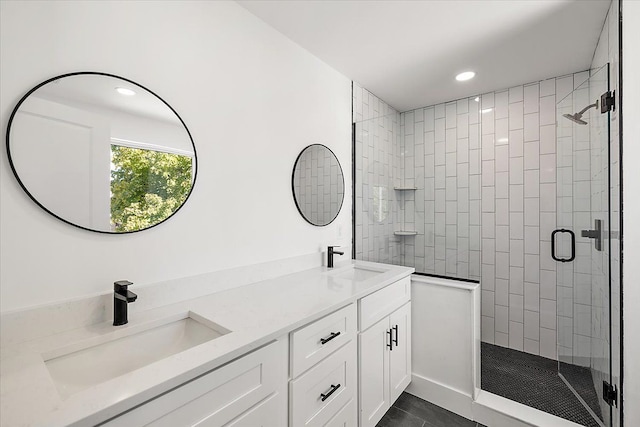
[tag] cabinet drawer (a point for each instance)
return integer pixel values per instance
(381, 303)
(314, 342)
(217, 397)
(346, 417)
(337, 372)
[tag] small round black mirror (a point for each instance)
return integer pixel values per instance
(318, 185)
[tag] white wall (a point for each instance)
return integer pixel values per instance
(63, 158)
(138, 128)
(252, 100)
(631, 209)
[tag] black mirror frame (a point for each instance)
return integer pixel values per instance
(95, 73)
(293, 192)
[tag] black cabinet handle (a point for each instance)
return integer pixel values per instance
(390, 343)
(395, 340)
(325, 396)
(553, 245)
(323, 341)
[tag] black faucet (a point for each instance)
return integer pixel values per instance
(330, 254)
(121, 298)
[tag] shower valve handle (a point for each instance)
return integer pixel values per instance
(595, 234)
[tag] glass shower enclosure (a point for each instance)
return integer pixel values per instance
(581, 244)
(433, 190)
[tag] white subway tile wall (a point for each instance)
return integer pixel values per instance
(498, 151)
(379, 208)
(441, 159)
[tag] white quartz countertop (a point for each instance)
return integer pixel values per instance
(255, 314)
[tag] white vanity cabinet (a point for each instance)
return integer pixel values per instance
(323, 386)
(247, 392)
(384, 349)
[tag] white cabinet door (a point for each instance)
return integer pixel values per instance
(400, 355)
(219, 396)
(346, 417)
(264, 414)
(374, 373)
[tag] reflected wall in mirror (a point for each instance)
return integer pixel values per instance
(318, 185)
(101, 152)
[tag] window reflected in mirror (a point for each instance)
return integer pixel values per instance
(147, 186)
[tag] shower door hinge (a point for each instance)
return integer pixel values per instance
(608, 101)
(610, 393)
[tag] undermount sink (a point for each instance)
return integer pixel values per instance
(358, 273)
(76, 369)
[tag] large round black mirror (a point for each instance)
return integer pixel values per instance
(318, 184)
(101, 152)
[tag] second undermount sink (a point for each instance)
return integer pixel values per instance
(358, 273)
(74, 369)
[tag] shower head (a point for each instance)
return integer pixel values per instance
(577, 117)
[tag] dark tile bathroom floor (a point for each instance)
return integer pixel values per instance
(533, 380)
(411, 411)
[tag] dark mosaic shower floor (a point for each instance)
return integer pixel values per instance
(533, 380)
(580, 379)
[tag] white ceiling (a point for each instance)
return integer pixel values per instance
(99, 91)
(408, 52)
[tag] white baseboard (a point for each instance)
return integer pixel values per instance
(497, 411)
(488, 409)
(442, 395)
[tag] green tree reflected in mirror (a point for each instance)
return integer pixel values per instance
(146, 186)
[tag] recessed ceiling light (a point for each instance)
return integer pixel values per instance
(467, 75)
(125, 91)
(477, 99)
(503, 140)
(486, 110)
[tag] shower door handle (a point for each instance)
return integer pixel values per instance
(553, 245)
(595, 234)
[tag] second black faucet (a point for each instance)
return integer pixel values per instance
(330, 254)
